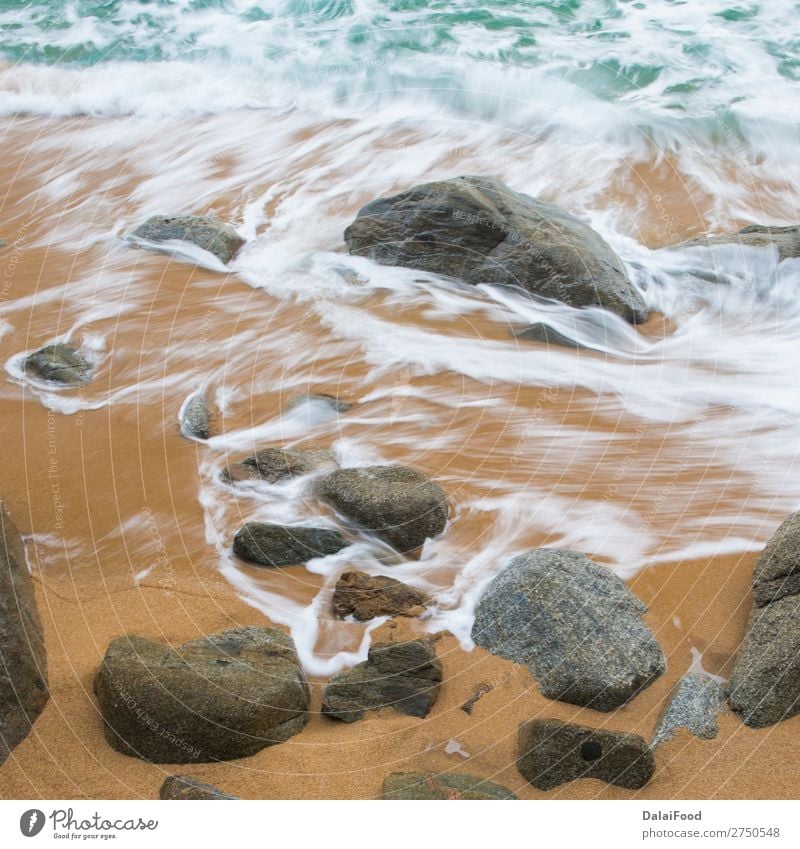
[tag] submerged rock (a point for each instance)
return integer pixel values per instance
(187, 788)
(23, 660)
(59, 363)
(574, 624)
(694, 705)
(764, 686)
(204, 231)
(552, 752)
(477, 230)
(277, 464)
(331, 402)
(404, 676)
(446, 785)
(365, 597)
(399, 505)
(224, 696)
(195, 418)
(547, 335)
(785, 239)
(282, 545)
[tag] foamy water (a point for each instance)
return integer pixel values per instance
(640, 448)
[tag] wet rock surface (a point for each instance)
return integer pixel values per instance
(365, 597)
(206, 232)
(478, 230)
(695, 704)
(285, 545)
(552, 752)
(548, 336)
(23, 660)
(785, 239)
(574, 624)
(58, 363)
(450, 785)
(404, 676)
(224, 696)
(187, 788)
(274, 465)
(401, 506)
(195, 417)
(322, 399)
(777, 570)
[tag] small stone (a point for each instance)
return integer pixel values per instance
(195, 418)
(202, 230)
(274, 465)
(185, 787)
(58, 363)
(480, 691)
(694, 705)
(281, 545)
(552, 752)
(401, 506)
(422, 785)
(548, 335)
(405, 676)
(366, 597)
(332, 402)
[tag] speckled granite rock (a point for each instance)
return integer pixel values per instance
(695, 704)
(447, 785)
(574, 624)
(195, 417)
(202, 230)
(777, 571)
(552, 752)
(274, 465)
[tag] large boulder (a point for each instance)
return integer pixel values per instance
(58, 363)
(401, 506)
(186, 788)
(477, 230)
(404, 676)
(764, 686)
(365, 596)
(285, 545)
(446, 785)
(574, 624)
(219, 697)
(23, 661)
(552, 752)
(202, 230)
(785, 239)
(273, 465)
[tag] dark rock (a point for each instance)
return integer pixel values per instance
(58, 363)
(574, 624)
(187, 788)
(694, 705)
(224, 696)
(552, 752)
(202, 230)
(404, 676)
(400, 505)
(195, 418)
(446, 785)
(785, 239)
(480, 691)
(777, 571)
(277, 464)
(764, 686)
(477, 230)
(23, 661)
(365, 597)
(282, 545)
(547, 335)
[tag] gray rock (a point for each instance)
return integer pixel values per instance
(282, 545)
(184, 787)
(59, 363)
(547, 335)
(23, 660)
(477, 230)
(446, 785)
(777, 571)
(764, 686)
(404, 676)
(331, 402)
(399, 505)
(785, 239)
(365, 597)
(694, 705)
(278, 464)
(574, 624)
(552, 752)
(195, 418)
(202, 230)
(224, 696)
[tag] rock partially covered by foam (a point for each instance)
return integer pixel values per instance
(58, 363)
(206, 232)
